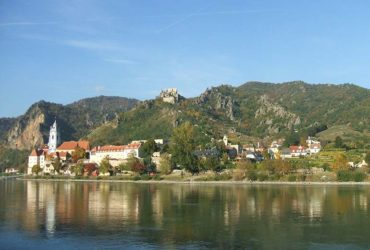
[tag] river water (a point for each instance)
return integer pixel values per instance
(94, 215)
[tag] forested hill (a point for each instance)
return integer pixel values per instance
(75, 120)
(253, 109)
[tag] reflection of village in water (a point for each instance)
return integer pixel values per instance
(179, 212)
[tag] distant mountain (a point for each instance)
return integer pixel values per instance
(252, 110)
(75, 120)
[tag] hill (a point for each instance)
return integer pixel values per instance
(75, 120)
(252, 110)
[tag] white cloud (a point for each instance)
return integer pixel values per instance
(99, 89)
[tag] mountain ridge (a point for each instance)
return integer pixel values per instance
(253, 109)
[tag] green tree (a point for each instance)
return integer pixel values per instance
(136, 165)
(148, 148)
(78, 169)
(183, 146)
(367, 158)
(338, 142)
(104, 165)
(292, 139)
(36, 169)
(165, 164)
(57, 164)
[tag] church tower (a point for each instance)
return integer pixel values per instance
(54, 137)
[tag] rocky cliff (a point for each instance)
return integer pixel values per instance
(75, 120)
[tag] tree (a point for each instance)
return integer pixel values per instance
(36, 169)
(183, 146)
(212, 163)
(104, 165)
(148, 148)
(78, 169)
(340, 162)
(282, 167)
(367, 158)
(78, 153)
(136, 165)
(292, 139)
(57, 164)
(338, 142)
(302, 141)
(165, 164)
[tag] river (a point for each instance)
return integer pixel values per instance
(94, 215)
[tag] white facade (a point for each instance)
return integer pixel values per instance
(115, 153)
(36, 158)
(54, 137)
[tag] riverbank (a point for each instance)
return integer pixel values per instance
(197, 182)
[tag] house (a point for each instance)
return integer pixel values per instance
(11, 171)
(254, 156)
(230, 146)
(313, 145)
(298, 151)
(70, 146)
(314, 148)
(116, 154)
(37, 157)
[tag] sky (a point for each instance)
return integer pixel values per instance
(62, 50)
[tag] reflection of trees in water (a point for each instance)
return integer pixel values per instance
(165, 214)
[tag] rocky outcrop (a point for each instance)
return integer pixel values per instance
(220, 101)
(76, 120)
(26, 132)
(275, 116)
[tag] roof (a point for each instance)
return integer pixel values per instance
(37, 152)
(109, 148)
(71, 145)
(295, 148)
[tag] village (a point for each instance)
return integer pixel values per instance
(152, 157)
(73, 158)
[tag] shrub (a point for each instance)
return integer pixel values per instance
(359, 176)
(223, 177)
(262, 177)
(157, 177)
(136, 178)
(146, 177)
(252, 175)
(344, 175)
(238, 174)
(292, 177)
(302, 177)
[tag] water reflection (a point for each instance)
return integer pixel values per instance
(177, 215)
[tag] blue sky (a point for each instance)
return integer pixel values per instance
(62, 51)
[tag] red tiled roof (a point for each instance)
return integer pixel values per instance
(62, 154)
(71, 145)
(296, 148)
(36, 152)
(106, 148)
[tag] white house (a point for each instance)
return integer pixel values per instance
(297, 151)
(116, 154)
(314, 146)
(37, 157)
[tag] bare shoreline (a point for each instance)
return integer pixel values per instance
(250, 183)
